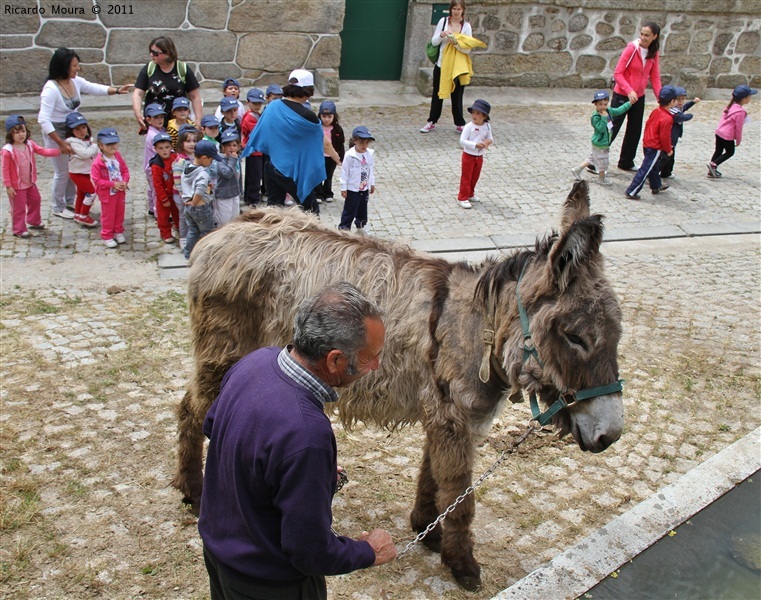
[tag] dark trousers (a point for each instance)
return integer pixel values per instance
(278, 185)
(355, 209)
(667, 163)
(634, 117)
(648, 171)
(725, 149)
(437, 103)
(253, 179)
(225, 587)
(325, 189)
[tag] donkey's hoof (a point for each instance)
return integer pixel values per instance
(472, 583)
(193, 506)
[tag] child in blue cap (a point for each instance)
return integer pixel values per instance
(679, 113)
(357, 179)
(230, 89)
(155, 118)
(227, 190)
(602, 123)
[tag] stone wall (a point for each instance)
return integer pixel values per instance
(564, 44)
(257, 41)
(541, 43)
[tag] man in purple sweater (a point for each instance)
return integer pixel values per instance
(271, 465)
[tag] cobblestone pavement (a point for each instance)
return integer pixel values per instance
(91, 378)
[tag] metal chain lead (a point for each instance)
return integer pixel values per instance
(472, 488)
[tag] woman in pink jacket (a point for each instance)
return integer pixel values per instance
(20, 175)
(729, 133)
(638, 64)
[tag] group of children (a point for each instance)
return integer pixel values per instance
(663, 129)
(192, 188)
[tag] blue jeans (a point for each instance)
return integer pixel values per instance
(649, 170)
(200, 220)
(355, 209)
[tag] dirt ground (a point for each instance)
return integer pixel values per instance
(91, 380)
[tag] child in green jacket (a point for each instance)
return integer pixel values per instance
(602, 124)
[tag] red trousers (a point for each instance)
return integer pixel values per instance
(84, 187)
(163, 213)
(25, 208)
(471, 171)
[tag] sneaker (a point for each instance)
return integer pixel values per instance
(183, 242)
(39, 227)
(474, 199)
(464, 204)
(319, 200)
(632, 196)
(64, 214)
(85, 220)
(604, 181)
(120, 239)
(663, 188)
(289, 201)
(671, 176)
(577, 173)
(167, 240)
(592, 169)
(427, 127)
(633, 167)
(151, 213)
(110, 243)
(23, 235)
(175, 232)
(329, 199)
(712, 172)
(459, 129)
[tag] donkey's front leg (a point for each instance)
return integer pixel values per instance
(451, 456)
(425, 511)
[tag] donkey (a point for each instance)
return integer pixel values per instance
(455, 348)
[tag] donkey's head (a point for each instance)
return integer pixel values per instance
(574, 321)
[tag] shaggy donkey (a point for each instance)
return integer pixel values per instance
(248, 278)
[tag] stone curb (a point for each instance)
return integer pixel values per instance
(579, 568)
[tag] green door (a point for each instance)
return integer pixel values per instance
(372, 41)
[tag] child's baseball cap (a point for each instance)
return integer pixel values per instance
(229, 135)
(181, 102)
(209, 121)
(109, 136)
(680, 91)
(667, 93)
(14, 120)
(255, 95)
(162, 137)
(230, 81)
(743, 91)
(153, 110)
(362, 132)
(227, 103)
(75, 119)
(303, 78)
(600, 95)
(207, 148)
(327, 108)
(481, 106)
(187, 128)
(274, 88)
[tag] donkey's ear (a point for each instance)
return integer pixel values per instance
(576, 206)
(579, 245)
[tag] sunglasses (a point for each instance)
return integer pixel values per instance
(156, 52)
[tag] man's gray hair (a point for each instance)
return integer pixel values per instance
(334, 318)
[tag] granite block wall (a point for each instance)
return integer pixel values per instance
(540, 43)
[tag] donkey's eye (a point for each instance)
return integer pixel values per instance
(576, 340)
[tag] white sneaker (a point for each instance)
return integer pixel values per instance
(120, 239)
(183, 241)
(288, 200)
(604, 181)
(427, 127)
(464, 204)
(110, 243)
(474, 199)
(64, 214)
(576, 173)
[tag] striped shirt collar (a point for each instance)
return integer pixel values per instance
(304, 378)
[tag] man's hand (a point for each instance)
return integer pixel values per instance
(382, 545)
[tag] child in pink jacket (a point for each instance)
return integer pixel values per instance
(110, 177)
(20, 175)
(729, 133)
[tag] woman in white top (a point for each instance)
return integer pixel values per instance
(60, 97)
(455, 23)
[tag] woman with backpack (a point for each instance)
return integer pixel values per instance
(164, 79)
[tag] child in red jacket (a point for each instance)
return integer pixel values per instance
(110, 176)
(163, 183)
(20, 175)
(656, 143)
